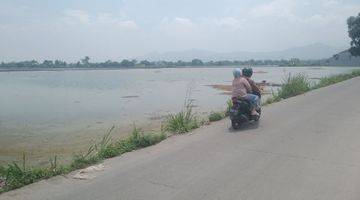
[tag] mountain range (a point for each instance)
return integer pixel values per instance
(308, 52)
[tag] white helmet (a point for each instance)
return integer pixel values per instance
(237, 73)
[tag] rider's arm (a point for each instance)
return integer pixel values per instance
(254, 86)
(247, 86)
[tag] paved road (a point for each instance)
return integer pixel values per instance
(307, 147)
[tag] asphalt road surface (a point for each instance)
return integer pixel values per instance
(306, 147)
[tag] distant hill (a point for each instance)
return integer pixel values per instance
(313, 51)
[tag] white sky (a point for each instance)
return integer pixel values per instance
(117, 29)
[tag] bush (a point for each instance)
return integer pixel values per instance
(139, 140)
(216, 116)
(182, 122)
(293, 85)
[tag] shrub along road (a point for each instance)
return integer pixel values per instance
(305, 147)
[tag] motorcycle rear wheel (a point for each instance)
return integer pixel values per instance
(236, 125)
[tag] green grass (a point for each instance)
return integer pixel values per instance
(183, 121)
(229, 105)
(216, 116)
(106, 148)
(298, 84)
(325, 81)
(293, 85)
(16, 175)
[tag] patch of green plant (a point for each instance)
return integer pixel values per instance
(271, 99)
(106, 148)
(140, 140)
(293, 85)
(183, 121)
(216, 116)
(326, 81)
(16, 176)
(94, 154)
(299, 84)
(229, 105)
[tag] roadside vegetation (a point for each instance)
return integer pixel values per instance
(183, 121)
(216, 116)
(15, 175)
(325, 81)
(292, 85)
(298, 84)
(229, 105)
(18, 174)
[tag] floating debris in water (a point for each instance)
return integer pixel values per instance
(130, 96)
(157, 117)
(261, 72)
(264, 83)
(221, 87)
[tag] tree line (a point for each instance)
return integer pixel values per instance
(85, 63)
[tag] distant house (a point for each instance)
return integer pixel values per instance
(343, 58)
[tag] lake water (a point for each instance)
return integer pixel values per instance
(44, 113)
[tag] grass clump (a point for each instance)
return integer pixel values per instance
(216, 116)
(135, 141)
(15, 175)
(183, 121)
(292, 85)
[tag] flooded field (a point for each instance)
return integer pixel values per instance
(46, 113)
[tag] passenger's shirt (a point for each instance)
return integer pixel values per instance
(240, 87)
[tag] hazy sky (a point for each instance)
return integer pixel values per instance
(116, 29)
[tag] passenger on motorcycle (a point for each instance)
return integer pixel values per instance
(241, 89)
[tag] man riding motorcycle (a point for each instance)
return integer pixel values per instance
(247, 73)
(241, 89)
